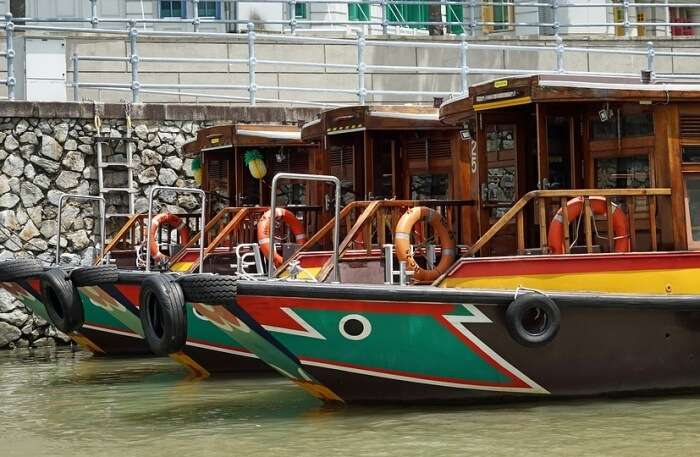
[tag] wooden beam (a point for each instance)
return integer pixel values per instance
(563, 201)
(587, 214)
(542, 211)
(651, 202)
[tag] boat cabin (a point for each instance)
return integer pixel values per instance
(540, 142)
(233, 157)
(401, 152)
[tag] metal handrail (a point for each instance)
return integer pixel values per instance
(336, 228)
(202, 221)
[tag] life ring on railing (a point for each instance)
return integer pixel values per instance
(402, 242)
(292, 222)
(621, 231)
(173, 221)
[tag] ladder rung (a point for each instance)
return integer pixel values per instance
(118, 189)
(116, 164)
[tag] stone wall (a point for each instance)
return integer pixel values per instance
(49, 149)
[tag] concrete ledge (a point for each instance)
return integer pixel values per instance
(158, 111)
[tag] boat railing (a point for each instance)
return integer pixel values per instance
(233, 226)
(638, 204)
(368, 225)
(133, 232)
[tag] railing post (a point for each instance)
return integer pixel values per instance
(560, 54)
(464, 64)
(555, 17)
(292, 5)
(252, 88)
(626, 6)
(94, 20)
(651, 54)
(134, 59)
(10, 56)
(385, 23)
(76, 78)
(195, 15)
(472, 18)
(361, 91)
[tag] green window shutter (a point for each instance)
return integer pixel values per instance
(358, 12)
(300, 10)
(404, 14)
(455, 13)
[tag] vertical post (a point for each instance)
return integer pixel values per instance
(464, 64)
(560, 54)
(385, 23)
(565, 224)
(626, 6)
(651, 54)
(555, 17)
(94, 20)
(10, 56)
(76, 78)
(587, 216)
(292, 5)
(251, 63)
(361, 91)
(195, 15)
(472, 18)
(134, 59)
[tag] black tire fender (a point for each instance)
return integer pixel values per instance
(62, 300)
(163, 314)
(533, 319)
(94, 275)
(17, 269)
(209, 288)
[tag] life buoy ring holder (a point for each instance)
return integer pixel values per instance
(599, 206)
(402, 242)
(294, 224)
(173, 221)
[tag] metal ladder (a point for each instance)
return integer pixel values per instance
(128, 164)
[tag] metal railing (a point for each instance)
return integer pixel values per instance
(466, 65)
(385, 16)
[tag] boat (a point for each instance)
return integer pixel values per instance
(151, 251)
(580, 280)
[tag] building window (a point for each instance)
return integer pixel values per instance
(358, 12)
(300, 11)
(410, 15)
(210, 9)
(172, 9)
(455, 15)
(498, 16)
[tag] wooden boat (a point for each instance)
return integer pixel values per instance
(580, 281)
(107, 317)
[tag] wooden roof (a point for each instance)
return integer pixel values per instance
(244, 135)
(350, 119)
(507, 92)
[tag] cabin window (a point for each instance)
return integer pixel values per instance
(430, 187)
(291, 194)
(630, 172)
(691, 154)
(218, 182)
(500, 189)
(623, 125)
(692, 204)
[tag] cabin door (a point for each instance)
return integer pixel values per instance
(218, 179)
(502, 141)
(558, 137)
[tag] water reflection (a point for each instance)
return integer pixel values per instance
(65, 404)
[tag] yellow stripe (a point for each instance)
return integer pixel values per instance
(182, 266)
(196, 369)
(502, 103)
(86, 343)
(677, 282)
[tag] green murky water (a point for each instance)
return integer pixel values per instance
(64, 404)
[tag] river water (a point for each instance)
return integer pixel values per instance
(58, 403)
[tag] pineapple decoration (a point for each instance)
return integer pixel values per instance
(197, 170)
(254, 160)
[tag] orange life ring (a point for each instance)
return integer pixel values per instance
(173, 221)
(402, 242)
(290, 219)
(621, 231)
